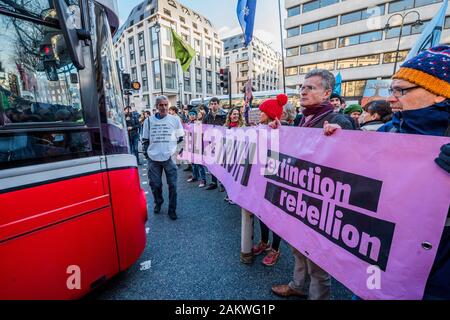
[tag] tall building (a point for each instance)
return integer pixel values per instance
(258, 61)
(140, 43)
(349, 36)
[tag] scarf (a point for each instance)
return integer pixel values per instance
(233, 125)
(312, 116)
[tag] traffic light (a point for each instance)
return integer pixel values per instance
(126, 81)
(225, 78)
(47, 52)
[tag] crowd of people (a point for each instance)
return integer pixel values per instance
(419, 103)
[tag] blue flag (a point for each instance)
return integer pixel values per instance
(338, 87)
(431, 35)
(246, 10)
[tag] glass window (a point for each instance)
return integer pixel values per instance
(292, 71)
(351, 17)
(156, 75)
(447, 23)
(170, 74)
(292, 32)
(310, 27)
(389, 57)
(290, 52)
(371, 36)
(326, 45)
(309, 6)
(420, 3)
(401, 5)
(34, 63)
(154, 40)
(348, 41)
(293, 11)
(309, 48)
(328, 23)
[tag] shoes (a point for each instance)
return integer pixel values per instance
(173, 215)
(192, 180)
(202, 184)
(211, 186)
(285, 291)
(260, 248)
(221, 188)
(157, 208)
(271, 258)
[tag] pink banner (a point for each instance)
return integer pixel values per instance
(369, 208)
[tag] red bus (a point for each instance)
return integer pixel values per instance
(72, 212)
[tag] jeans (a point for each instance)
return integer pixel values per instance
(265, 236)
(199, 172)
(155, 170)
(134, 146)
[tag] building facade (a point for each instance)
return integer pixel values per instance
(349, 36)
(258, 61)
(143, 48)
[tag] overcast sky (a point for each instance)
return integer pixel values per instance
(222, 14)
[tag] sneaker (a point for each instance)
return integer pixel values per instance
(192, 180)
(202, 184)
(260, 248)
(271, 258)
(211, 186)
(231, 202)
(226, 199)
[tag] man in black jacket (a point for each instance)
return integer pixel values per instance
(215, 117)
(133, 126)
(315, 98)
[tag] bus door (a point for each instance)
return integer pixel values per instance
(57, 235)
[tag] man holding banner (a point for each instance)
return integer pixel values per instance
(422, 88)
(315, 98)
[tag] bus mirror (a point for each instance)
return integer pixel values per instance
(68, 21)
(51, 70)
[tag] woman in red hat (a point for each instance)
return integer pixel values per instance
(271, 110)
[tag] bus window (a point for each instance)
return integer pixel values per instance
(38, 82)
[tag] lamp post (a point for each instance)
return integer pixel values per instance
(403, 17)
(282, 48)
(158, 30)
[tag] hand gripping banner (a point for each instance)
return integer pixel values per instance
(369, 208)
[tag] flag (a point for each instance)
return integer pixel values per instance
(338, 86)
(183, 51)
(246, 10)
(431, 35)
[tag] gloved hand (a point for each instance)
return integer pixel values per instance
(443, 160)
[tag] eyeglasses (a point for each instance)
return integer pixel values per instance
(400, 92)
(307, 88)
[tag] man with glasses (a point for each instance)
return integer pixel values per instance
(163, 132)
(420, 93)
(315, 98)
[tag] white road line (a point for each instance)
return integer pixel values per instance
(146, 265)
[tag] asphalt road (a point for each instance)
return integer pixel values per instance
(197, 256)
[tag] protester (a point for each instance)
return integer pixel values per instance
(354, 111)
(337, 102)
(421, 91)
(133, 126)
(318, 113)
(375, 115)
(215, 117)
(198, 171)
(289, 115)
(163, 132)
(271, 110)
(235, 119)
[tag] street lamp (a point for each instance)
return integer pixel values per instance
(157, 27)
(418, 22)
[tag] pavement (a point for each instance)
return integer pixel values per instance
(197, 256)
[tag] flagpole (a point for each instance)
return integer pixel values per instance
(282, 47)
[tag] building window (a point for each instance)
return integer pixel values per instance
(134, 74)
(407, 30)
(447, 23)
(154, 40)
(156, 75)
(170, 74)
(294, 11)
(319, 25)
(363, 14)
(132, 51)
(397, 6)
(318, 46)
(291, 52)
(167, 12)
(389, 57)
(360, 38)
(292, 32)
(353, 88)
(317, 4)
(363, 61)
(141, 43)
(324, 65)
(144, 77)
(292, 71)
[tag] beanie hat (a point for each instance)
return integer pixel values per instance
(274, 107)
(335, 95)
(429, 70)
(193, 112)
(353, 108)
